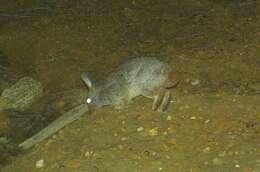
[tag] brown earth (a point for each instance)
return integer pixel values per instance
(213, 124)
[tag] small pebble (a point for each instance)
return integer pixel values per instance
(237, 166)
(153, 131)
(140, 129)
(39, 164)
(206, 150)
(195, 82)
(193, 117)
(169, 118)
(124, 138)
(89, 153)
(207, 121)
(120, 147)
(167, 157)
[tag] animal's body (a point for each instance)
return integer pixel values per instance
(143, 76)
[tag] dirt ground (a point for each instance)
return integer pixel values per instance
(213, 122)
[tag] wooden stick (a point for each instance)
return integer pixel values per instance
(55, 126)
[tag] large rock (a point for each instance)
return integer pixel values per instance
(21, 95)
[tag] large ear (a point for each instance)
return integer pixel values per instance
(85, 77)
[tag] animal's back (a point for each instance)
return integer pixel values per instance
(139, 75)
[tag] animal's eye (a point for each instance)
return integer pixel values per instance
(89, 100)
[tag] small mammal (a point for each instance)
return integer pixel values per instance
(142, 76)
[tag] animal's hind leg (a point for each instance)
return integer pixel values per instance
(157, 99)
(165, 101)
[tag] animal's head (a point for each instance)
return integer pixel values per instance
(93, 99)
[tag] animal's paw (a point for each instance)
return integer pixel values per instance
(161, 101)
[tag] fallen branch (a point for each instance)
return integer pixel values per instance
(55, 126)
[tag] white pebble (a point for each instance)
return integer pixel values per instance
(124, 138)
(140, 128)
(195, 82)
(39, 164)
(89, 153)
(169, 118)
(237, 166)
(207, 121)
(193, 117)
(206, 150)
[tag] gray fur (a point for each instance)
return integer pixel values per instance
(143, 76)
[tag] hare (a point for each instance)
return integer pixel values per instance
(143, 76)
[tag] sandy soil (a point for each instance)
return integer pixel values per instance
(213, 123)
